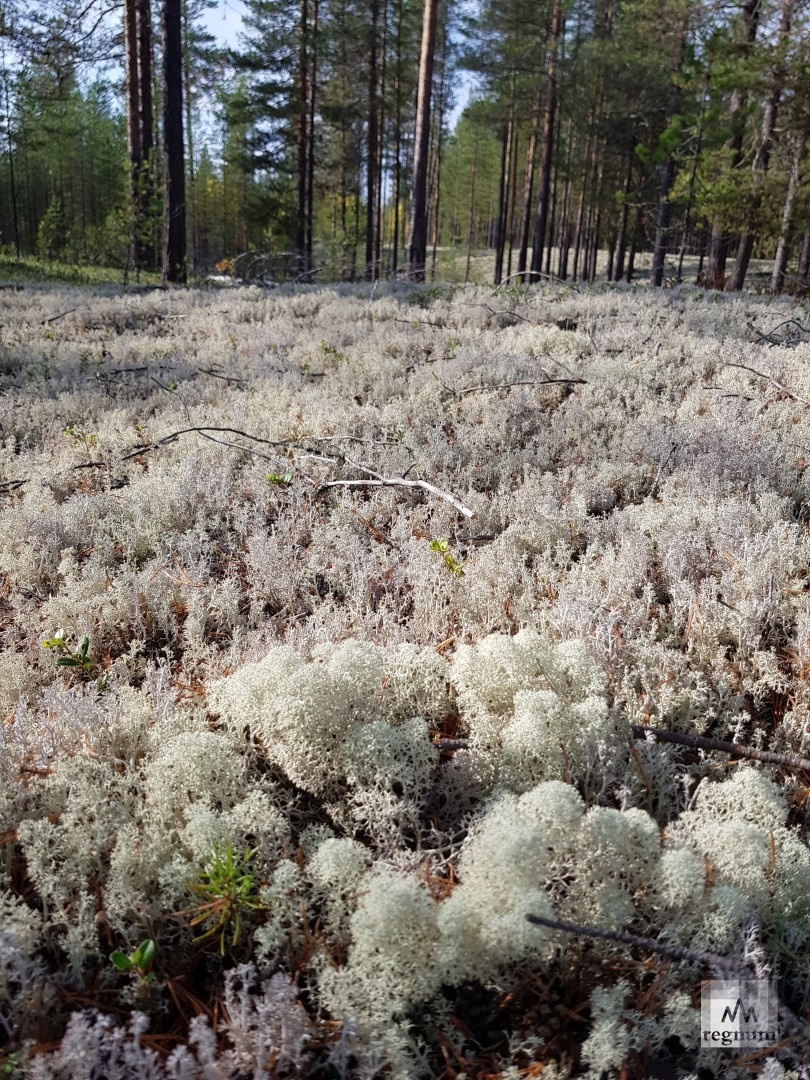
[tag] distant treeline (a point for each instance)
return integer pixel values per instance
(322, 145)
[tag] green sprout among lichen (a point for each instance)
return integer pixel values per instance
(138, 964)
(229, 889)
(450, 561)
(68, 657)
(282, 481)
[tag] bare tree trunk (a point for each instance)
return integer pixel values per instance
(511, 196)
(783, 244)
(193, 222)
(547, 145)
(666, 175)
(371, 145)
(417, 242)
(471, 222)
(10, 142)
(690, 192)
(174, 204)
(565, 225)
(397, 186)
(438, 149)
(503, 189)
(717, 254)
(528, 183)
(299, 263)
(763, 156)
(803, 267)
(142, 140)
(378, 213)
(312, 90)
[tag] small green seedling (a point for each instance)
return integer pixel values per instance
(138, 964)
(68, 657)
(81, 438)
(443, 547)
(140, 961)
(336, 354)
(230, 890)
(282, 481)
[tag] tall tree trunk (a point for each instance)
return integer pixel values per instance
(471, 230)
(763, 156)
(528, 184)
(438, 148)
(717, 254)
(503, 189)
(666, 177)
(300, 264)
(15, 217)
(397, 183)
(312, 91)
(140, 127)
(666, 174)
(803, 267)
(378, 213)
(565, 224)
(417, 242)
(192, 221)
(547, 145)
(511, 200)
(690, 191)
(783, 244)
(621, 239)
(371, 145)
(174, 203)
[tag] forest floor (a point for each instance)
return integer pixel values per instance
(334, 624)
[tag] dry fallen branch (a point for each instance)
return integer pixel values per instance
(795, 335)
(700, 742)
(770, 378)
(519, 382)
(399, 481)
(674, 952)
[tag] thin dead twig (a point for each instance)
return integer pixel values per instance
(61, 315)
(770, 378)
(700, 742)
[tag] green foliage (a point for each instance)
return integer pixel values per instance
(450, 561)
(138, 964)
(68, 657)
(230, 890)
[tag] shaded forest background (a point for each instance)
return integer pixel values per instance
(598, 132)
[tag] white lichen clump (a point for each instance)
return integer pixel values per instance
(410, 728)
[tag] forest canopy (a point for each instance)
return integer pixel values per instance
(331, 139)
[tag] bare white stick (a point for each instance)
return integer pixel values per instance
(397, 481)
